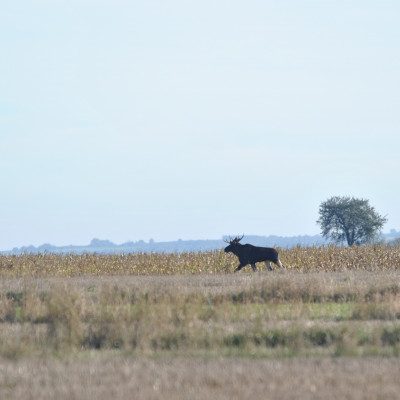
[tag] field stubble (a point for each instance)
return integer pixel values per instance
(107, 377)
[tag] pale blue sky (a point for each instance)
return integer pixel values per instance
(129, 120)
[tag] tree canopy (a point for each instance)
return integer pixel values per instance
(351, 220)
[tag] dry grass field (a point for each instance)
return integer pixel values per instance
(183, 325)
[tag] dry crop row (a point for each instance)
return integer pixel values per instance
(331, 258)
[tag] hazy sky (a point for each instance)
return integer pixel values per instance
(128, 120)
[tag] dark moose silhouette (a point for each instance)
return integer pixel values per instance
(249, 254)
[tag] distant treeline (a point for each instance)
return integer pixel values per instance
(180, 246)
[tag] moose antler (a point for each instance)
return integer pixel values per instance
(235, 240)
(238, 239)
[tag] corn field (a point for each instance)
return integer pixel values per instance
(302, 259)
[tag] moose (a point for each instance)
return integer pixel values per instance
(249, 254)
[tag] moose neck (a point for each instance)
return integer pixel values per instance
(236, 248)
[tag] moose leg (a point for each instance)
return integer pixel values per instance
(279, 264)
(240, 266)
(268, 264)
(254, 267)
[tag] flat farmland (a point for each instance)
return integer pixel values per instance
(99, 326)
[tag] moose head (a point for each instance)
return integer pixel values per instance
(233, 243)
